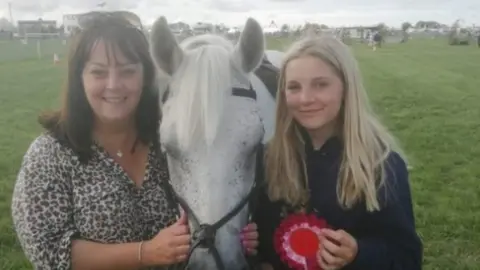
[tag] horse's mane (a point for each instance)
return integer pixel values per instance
(198, 91)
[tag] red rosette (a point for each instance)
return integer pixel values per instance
(297, 239)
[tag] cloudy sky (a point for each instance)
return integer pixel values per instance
(234, 12)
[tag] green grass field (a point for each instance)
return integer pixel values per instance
(33, 49)
(428, 93)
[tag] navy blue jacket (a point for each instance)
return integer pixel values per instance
(386, 239)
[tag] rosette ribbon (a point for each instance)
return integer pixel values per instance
(297, 241)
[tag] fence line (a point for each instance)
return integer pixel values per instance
(19, 50)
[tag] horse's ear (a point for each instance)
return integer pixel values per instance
(164, 48)
(250, 48)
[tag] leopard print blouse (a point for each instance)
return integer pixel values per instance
(57, 199)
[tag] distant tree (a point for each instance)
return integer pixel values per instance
(313, 28)
(405, 27)
(381, 26)
(382, 29)
(458, 35)
(428, 25)
(285, 30)
(456, 24)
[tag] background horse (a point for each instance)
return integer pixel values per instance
(215, 115)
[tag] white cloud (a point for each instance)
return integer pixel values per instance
(235, 12)
(234, 6)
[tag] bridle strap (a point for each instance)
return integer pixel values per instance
(243, 92)
(268, 74)
(236, 91)
(204, 234)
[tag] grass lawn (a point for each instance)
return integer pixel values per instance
(428, 93)
(16, 50)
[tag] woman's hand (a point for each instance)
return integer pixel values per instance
(171, 245)
(249, 238)
(337, 249)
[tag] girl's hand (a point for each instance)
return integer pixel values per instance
(249, 238)
(337, 249)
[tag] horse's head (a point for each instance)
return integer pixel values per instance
(202, 71)
(211, 127)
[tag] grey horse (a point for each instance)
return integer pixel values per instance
(215, 115)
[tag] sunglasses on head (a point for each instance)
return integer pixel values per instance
(93, 18)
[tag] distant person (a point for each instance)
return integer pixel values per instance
(367, 38)
(92, 190)
(377, 40)
(331, 157)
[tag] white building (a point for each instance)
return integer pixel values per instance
(70, 22)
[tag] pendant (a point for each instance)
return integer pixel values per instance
(119, 153)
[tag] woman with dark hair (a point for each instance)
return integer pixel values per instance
(92, 190)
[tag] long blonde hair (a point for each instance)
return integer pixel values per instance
(366, 142)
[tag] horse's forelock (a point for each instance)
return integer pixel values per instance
(198, 90)
(207, 39)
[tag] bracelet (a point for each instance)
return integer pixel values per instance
(140, 249)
